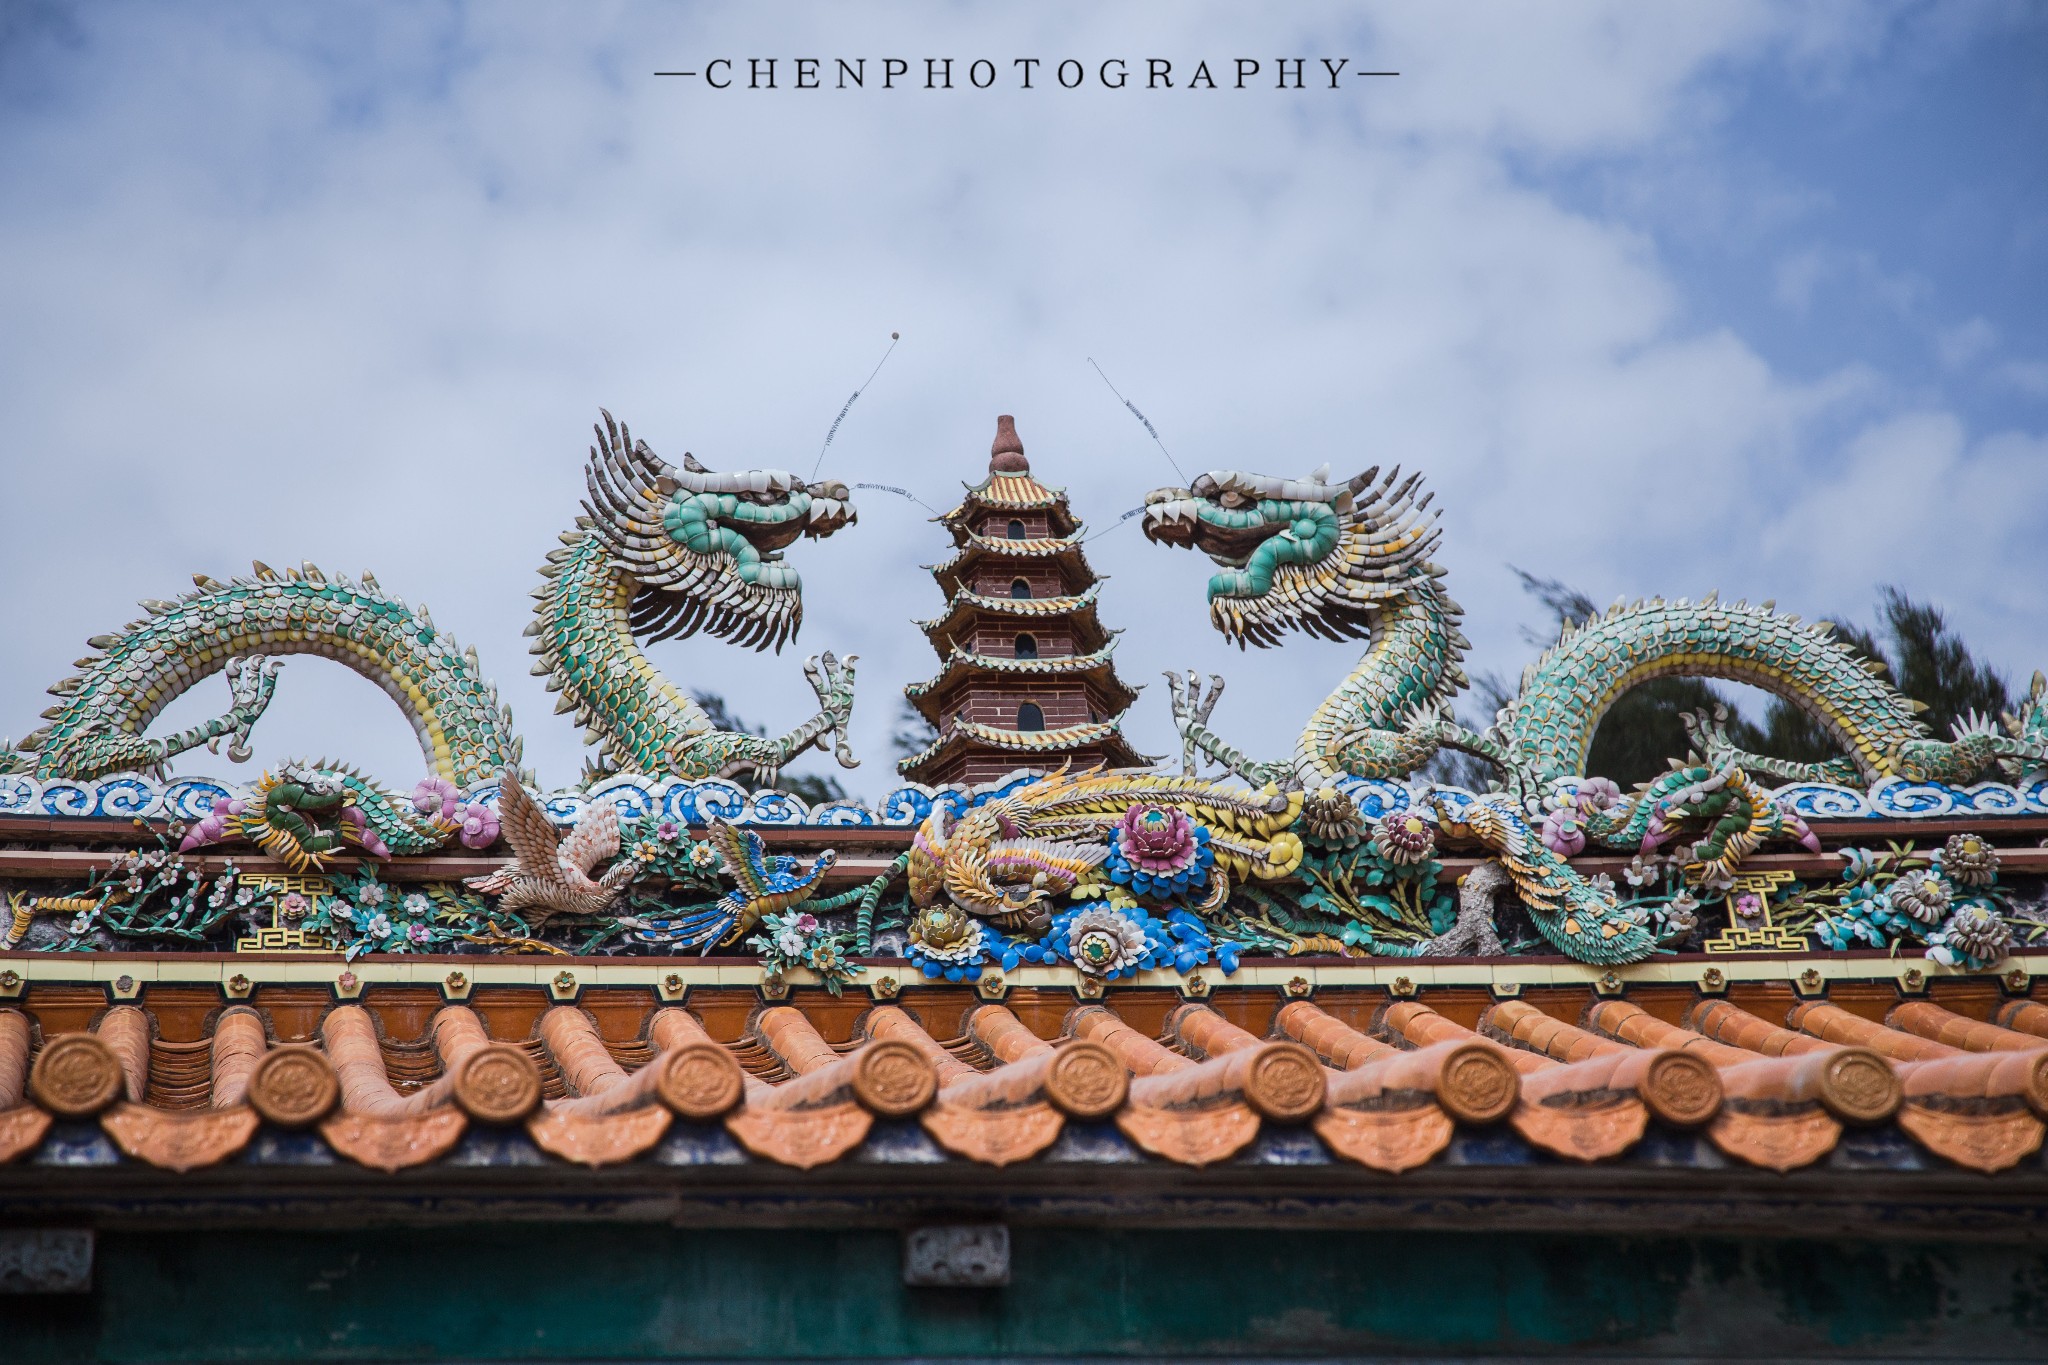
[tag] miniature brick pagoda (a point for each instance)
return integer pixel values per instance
(1026, 680)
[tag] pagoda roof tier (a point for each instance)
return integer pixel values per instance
(1105, 734)
(1078, 608)
(1095, 667)
(1063, 550)
(1010, 493)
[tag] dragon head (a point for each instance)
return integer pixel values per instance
(1302, 554)
(704, 548)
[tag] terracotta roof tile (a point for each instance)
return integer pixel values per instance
(1386, 1087)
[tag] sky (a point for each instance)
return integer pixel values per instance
(1661, 298)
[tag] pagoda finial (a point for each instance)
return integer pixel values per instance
(1006, 456)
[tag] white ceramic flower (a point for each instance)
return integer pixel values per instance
(1102, 941)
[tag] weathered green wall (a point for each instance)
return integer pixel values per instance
(536, 1292)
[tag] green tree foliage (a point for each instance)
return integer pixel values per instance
(1931, 664)
(811, 788)
(913, 733)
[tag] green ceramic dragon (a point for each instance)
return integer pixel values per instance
(239, 627)
(660, 552)
(663, 552)
(1350, 560)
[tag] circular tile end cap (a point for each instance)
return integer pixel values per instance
(498, 1083)
(700, 1081)
(293, 1086)
(893, 1079)
(1086, 1081)
(75, 1076)
(1285, 1082)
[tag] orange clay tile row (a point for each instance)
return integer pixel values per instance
(1385, 1084)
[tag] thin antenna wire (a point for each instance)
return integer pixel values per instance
(906, 493)
(1150, 430)
(1097, 535)
(816, 464)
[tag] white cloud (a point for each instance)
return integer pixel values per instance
(1957, 346)
(1803, 274)
(2027, 376)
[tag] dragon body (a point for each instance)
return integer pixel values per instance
(1546, 730)
(1578, 917)
(1349, 560)
(663, 552)
(1344, 561)
(97, 727)
(660, 552)
(306, 814)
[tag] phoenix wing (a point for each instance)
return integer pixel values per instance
(595, 838)
(526, 827)
(745, 858)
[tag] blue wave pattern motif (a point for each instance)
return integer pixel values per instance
(688, 802)
(698, 802)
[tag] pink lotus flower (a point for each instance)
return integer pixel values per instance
(479, 826)
(436, 796)
(1563, 836)
(1597, 793)
(1157, 840)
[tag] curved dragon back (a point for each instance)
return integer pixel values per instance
(97, 728)
(1548, 728)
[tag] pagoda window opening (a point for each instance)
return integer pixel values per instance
(1029, 717)
(1020, 589)
(1026, 647)
(1017, 531)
